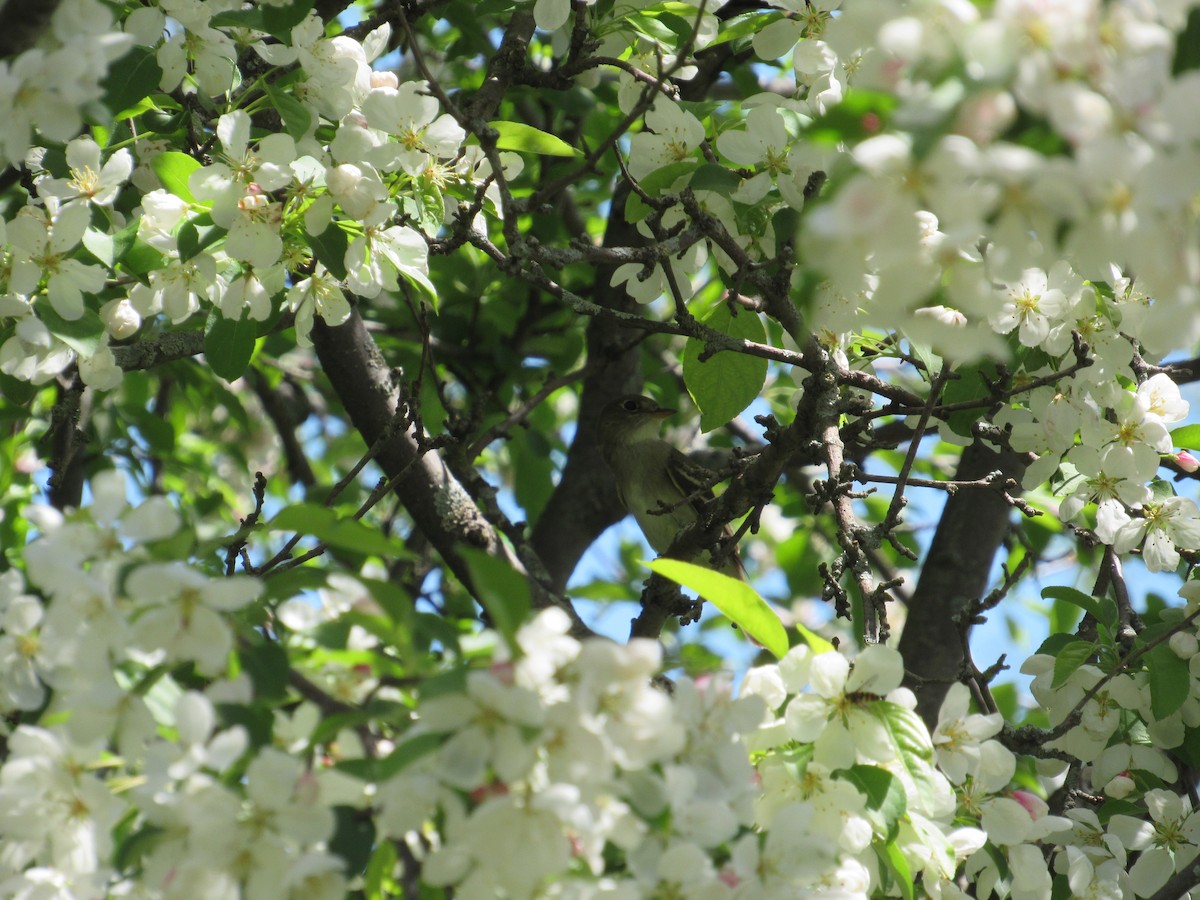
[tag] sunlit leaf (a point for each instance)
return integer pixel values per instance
(526, 139)
(736, 599)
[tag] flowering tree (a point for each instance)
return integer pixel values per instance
(308, 312)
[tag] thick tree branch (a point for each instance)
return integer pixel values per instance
(167, 347)
(954, 576)
(584, 502)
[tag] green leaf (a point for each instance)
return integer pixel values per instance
(123, 241)
(229, 344)
(173, 170)
(913, 751)
(283, 584)
(1102, 609)
(745, 25)
(1170, 681)
(1070, 658)
(130, 80)
(525, 138)
(1187, 437)
(736, 599)
(898, 863)
(275, 20)
(140, 258)
(100, 245)
(1187, 45)
(377, 880)
(1054, 644)
(83, 335)
(503, 591)
(330, 248)
(267, 665)
(662, 180)
(968, 386)
(712, 177)
(424, 206)
(407, 753)
(295, 115)
(342, 532)
(196, 235)
(814, 640)
(727, 382)
(886, 801)
(353, 837)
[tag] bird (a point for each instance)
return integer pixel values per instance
(662, 488)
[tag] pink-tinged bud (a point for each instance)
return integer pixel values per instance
(384, 79)
(1186, 461)
(253, 202)
(254, 188)
(504, 672)
(729, 877)
(1034, 805)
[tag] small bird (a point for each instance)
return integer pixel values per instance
(651, 474)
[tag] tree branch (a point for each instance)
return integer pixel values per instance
(954, 576)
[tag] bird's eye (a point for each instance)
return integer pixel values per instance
(630, 406)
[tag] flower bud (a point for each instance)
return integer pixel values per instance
(1184, 644)
(1120, 786)
(120, 318)
(1186, 461)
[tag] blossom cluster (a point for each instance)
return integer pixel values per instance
(108, 737)
(551, 767)
(123, 234)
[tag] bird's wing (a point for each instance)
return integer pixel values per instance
(695, 482)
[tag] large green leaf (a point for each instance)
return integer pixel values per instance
(266, 662)
(295, 115)
(1103, 609)
(725, 383)
(173, 170)
(275, 20)
(886, 802)
(736, 599)
(83, 335)
(912, 751)
(229, 344)
(712, 177)
(131, 79)
(527, 139)
(1070, 658)
(196, 235)
(330, 248)
(1170, 681)
(969, 386)
(1186, 437)
(353, 837)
